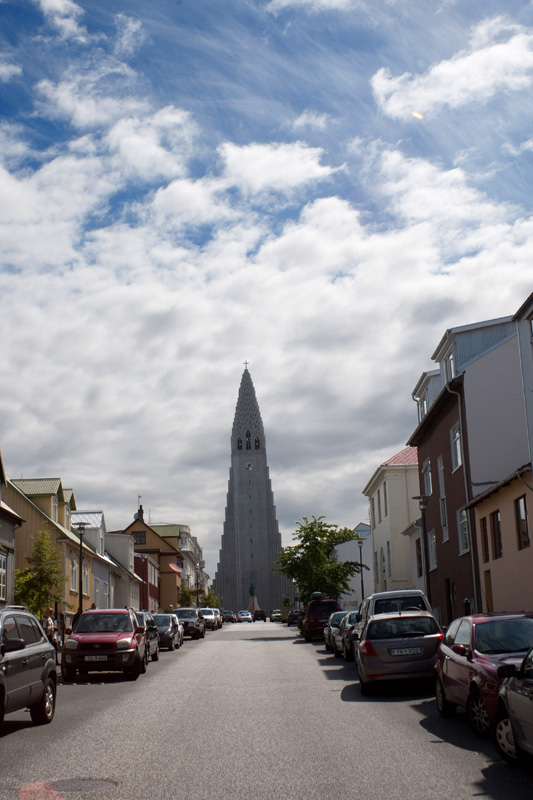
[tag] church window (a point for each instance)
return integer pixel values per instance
(248, 441)
(257, 442)
(239, 444)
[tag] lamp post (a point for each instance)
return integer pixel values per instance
(360, 546)
(422, 505)
(81, 532)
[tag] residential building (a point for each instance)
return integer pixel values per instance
(470, 434)
(193, 574)
(9, 522)
(105, 573)
(125, 589)
(359, 550)
(391, 493)
(504, 542)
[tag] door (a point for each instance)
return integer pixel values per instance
(15, 666)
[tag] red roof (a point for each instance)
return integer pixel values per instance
(405, 457)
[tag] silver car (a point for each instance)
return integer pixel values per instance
(397, 646)
(513, 722)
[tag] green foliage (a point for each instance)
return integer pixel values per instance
(42, 583)
(186, 598)
(309, 562)
(209, 600)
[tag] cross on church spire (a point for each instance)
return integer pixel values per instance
(246, 364)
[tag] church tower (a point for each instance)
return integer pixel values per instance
(251, 540)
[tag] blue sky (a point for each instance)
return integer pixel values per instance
(321, 187)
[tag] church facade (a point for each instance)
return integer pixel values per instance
(251, 540)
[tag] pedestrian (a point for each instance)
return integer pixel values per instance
(93, 606)
(50, 627)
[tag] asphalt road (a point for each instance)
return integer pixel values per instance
(251, 711)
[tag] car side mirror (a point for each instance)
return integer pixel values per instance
(12, 645)
(507, 671)
(358, 617)
(68, 631)
(460, 649)
(140, 629)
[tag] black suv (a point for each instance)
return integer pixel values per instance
(28, 672)
(151, 632)
(258, 614)
(193, 622)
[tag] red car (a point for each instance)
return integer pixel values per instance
(468, 659)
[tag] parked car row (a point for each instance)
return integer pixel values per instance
(482, 663)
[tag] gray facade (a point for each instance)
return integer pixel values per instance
(251, 540)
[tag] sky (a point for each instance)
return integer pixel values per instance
(318, 187)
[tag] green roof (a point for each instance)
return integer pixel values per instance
(167, 529)
(39, 487)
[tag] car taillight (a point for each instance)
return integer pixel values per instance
(367, 648)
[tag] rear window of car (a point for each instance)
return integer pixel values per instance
(322, 606)
(387, 605)
(403, 626)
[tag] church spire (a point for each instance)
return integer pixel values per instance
(248, 432)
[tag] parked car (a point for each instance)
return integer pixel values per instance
(294, 616)
(331, 625)
(28, 672)
(210, 619)
(229, 616)
(193, 622)
(345, 636)
(259, 615)
(244, 616)
(275, 615)
(168, 627)
(397, 647)
(389, 602)
(219, 617)
(316, 616)
(151, 633)
(105, 640)
(513, 722)
(468, 659)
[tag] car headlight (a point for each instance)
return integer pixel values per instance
(124, 644)
(71, 644)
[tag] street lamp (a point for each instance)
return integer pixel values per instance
(360, 546)
(81, 532)
(422, 505)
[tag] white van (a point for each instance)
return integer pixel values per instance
(390, 603)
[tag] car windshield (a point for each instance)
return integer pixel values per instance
(390, 605)
(323, 607)
(103, 623)
(401, 627)
(186, 613)
(162, 620)
(207, 612)
(336, 618)
(504, 636)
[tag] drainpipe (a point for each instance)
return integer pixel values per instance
(467, 495)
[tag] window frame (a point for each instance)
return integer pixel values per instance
(455, 446)
(522, 523)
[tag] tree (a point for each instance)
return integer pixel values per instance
(186, 597)
(42, 583)
(309, 563)
(210, 600)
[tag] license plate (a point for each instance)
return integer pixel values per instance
(95, 658)
(406, 651)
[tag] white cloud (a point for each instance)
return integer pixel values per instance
(64, 15)
(315, 5)
(310, 119)
(130, 36)
(8, 71)
(471, 76)
(273, 167)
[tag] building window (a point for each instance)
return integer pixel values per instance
(97, 592)
(248, 441)
(432, 550)
(462, 530)
(139, 537)
(496, 531)
(73, 573)
(239, 444)
(372, 513)
(257, 443)
(379, 505)
(449, 367)
(442, 500)
(522, 530)
(389, 560)
(3, 577)
(106, 595)
(418, 546)
(86, 577)
(455, 441)
(385, 499)
(426, 475)
(422, 406)
(54, 508)
(484, 540)
(67, 517)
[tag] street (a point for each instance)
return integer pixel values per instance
(250, 711)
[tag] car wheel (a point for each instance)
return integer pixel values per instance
(364, 687)
(132, 673)
(327, 644)
(477, 714)
(69, 674)
(307, 636)
(202, 635)
(155, 656)
(172, 645)
(42, 712)
(144, 661)
(336, 653)
(178, 643)
(504, 739)
(347, 652)
(445, 708)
